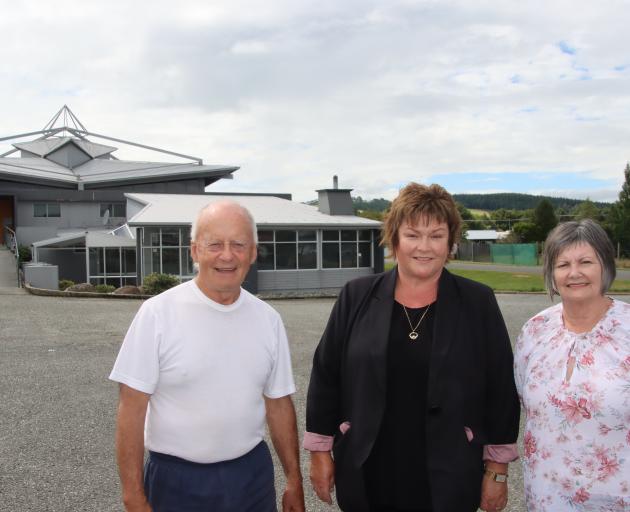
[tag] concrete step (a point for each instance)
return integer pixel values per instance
(8, 271)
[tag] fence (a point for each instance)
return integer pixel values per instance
(474, 251)
(515, 254)
(511, 254)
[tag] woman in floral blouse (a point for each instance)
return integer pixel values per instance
(572, 369)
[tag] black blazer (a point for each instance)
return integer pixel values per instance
(471, 384)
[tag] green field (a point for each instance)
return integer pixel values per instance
(518, 281)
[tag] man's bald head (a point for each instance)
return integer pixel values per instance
(218, 207)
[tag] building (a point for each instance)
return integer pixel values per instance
(106, 220)
(63, 193)
(300, 247)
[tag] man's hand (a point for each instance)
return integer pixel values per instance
(293, 497)
(323, 475)
(137, 506)
(283, 431)
(494, 495)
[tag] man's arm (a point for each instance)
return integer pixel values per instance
(283, 429)
(132, 410)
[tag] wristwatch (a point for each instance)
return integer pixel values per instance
(497, 477)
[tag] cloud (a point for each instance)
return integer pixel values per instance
(377, 92)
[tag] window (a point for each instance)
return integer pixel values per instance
(46, 210)
(112, 265)
(287, 249)
(346, 248)
(114, 209)
(167, 251)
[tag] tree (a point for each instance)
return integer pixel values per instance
(469, 219)
(619, 217)
(545, 219)
(370, 214)
(587, 210)
(526, 232)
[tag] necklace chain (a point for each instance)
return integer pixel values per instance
(413, 335)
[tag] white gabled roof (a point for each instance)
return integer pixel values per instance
(91, 238)
(482, 234)
(101, 239)
(61, 240)
(181, 209)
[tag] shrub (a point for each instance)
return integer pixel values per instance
(65, 283)
(24, 253)
(81, 287)
(157, 283)
(105, 288)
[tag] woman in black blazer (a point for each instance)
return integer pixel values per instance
(412, 387)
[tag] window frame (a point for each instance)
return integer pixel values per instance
(47, 213)
(113, 208)
(149, 243)
(297, 242)
(340, 241)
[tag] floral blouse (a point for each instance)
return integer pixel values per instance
(577, 431)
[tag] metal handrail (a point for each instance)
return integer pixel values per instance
(15, 249)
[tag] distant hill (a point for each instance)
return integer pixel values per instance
(488, 202)
(513, 201)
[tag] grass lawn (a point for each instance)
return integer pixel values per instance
(504, 281)
(519, 282)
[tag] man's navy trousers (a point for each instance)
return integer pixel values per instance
(238, 485)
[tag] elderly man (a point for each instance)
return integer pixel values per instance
(201, 365)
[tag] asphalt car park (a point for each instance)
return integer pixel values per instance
(57, 414)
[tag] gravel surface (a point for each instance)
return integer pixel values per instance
(58, 408)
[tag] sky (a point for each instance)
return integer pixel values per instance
(478, 96)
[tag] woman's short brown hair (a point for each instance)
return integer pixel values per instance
(415, 201)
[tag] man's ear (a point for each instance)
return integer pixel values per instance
(193, 251)
(254, 254)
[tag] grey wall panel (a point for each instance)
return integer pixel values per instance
(73, 215)
(335, 202)
(29, 234)
(265, 281)
(14, 187)
(71, 264)
(307, 280)
(337, 278)
(25, 192)
(192, 186)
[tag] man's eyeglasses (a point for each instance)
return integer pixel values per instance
(215, 246)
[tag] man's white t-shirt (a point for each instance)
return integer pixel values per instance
(206, 367)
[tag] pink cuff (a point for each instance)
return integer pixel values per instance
(317, 442)
(501, 453)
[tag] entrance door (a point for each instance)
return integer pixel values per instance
(6, 216)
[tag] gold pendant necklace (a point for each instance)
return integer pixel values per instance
(413, 335)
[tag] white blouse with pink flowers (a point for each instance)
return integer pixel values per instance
(577, 430)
